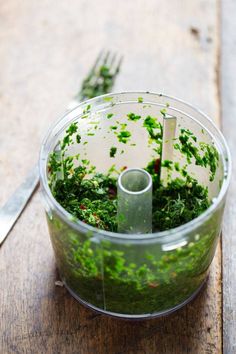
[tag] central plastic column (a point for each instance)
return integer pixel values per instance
(134, 209)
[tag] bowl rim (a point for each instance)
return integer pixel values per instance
(80, 226)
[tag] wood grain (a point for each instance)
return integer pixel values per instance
(228, 89)
(46, 48)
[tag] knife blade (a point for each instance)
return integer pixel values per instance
(10, 212)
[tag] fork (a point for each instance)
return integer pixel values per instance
(100, 80)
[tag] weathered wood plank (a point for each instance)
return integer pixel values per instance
(45, 50)
(228, 89)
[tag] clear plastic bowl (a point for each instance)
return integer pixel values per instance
(135, 275)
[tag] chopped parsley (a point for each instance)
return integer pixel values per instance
(78, 138)
(205, 156)
(133, 116)
(113, 127)
(124, 136)
(113, 151)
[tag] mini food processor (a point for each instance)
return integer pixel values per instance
(134, 188)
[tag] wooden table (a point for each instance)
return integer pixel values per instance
(46, 49)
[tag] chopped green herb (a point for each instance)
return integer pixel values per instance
(85, 162)
(133, 117)
(163, 112)
(167, 163)
(179, 202)
(113, 151)
(124, 136)
(87, 109)
(177, 166)
(107, 99)
(123, 126)
(154, 129)
(188, 147)
(67, 140)
(78, 138)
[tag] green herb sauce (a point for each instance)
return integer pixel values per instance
(131, 278)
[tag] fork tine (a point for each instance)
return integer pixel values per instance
(110, 59)
(117, 66)
(113, 58)
(106, 58)
(101, 60)
(97, 61)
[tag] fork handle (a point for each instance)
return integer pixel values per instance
(10, 212)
